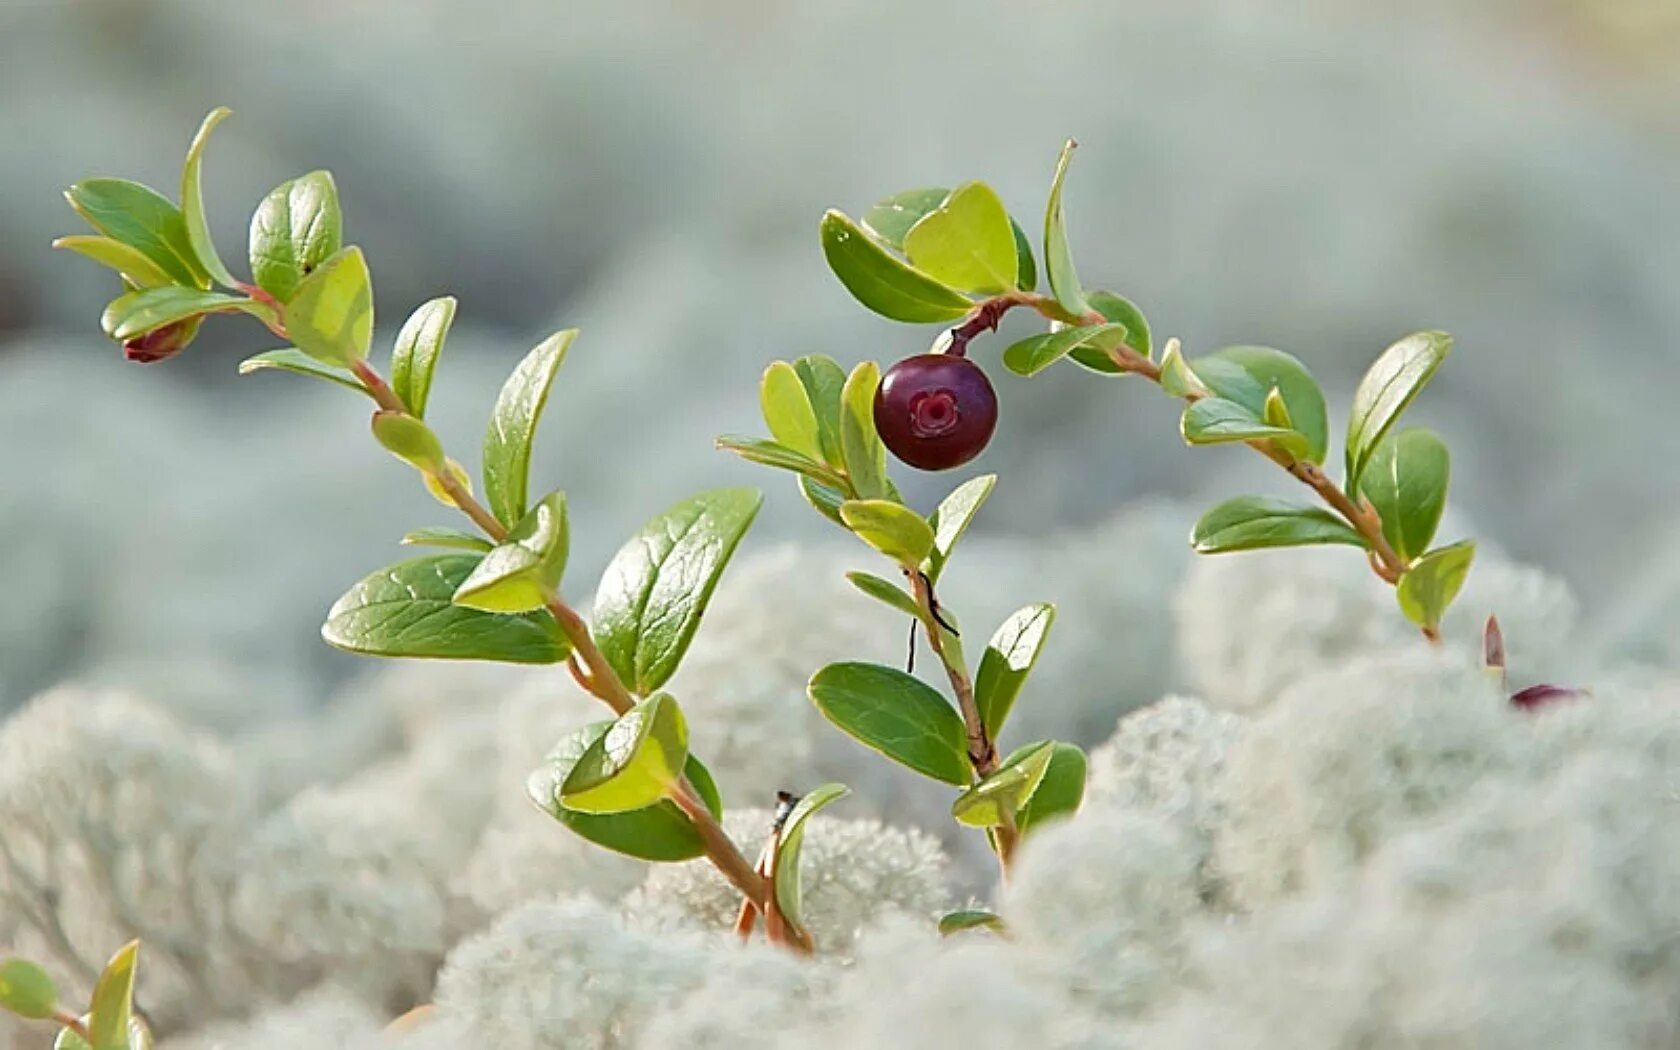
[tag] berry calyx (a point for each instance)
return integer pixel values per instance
(935, 411)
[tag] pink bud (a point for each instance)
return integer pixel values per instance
(1536, 696)
(161, 343)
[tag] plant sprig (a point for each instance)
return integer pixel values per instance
(111, 1020)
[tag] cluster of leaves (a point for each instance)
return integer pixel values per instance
(627, 783)
(110, 1022)
(822, 430)
(936, 255)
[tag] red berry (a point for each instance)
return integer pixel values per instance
(935, 411)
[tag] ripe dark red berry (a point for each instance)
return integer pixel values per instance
(935, 411)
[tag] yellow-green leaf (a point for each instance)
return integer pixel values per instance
(634, 764)
(330, 316)
(966, 242)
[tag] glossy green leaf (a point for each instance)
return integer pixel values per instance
(1216, 421)
(407, 610)
(131, 263)
(898, 715)
(789, 885)
(330, 316)
(860, 445)
(415, 356)
(1252, 522)
(112, 1006)
(1248, 374)
(886, 592)
(634, 764)
(788, 411)
(1177, 377)
(291, 359)
(143, 219)
(409, 440)
(1058, 257)
(27, 990)
(439, 536)
(1120, 311)
(882, 282)
(1035, 353)
(192, 202)
(1008, 659)
(825, 499)
(523, 570)
(513, 427)
(134, 314)
(892, 217)
(1428, 588)
(1059, 793)
(658, 833)
(771, 454)
(1026, 270)
(952, 518)
(295, 229)
(891, 528)
(965, 919)
(995, 800)
(824, 381)
(1388, 387)
(1406, 481)
(966, 242)
(655, 590)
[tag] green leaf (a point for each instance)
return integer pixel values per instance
(330, 316)
(1034, 354)
(883, 283)
(139, 1037)
(112, 1006)
(634, 764)
(132, 263)
(901, 717)
(891, 528)
(1121, 311)
(1276, 411)
(788, 411)
(967, 242)
(439, 536)
(1008, 659)
(771, 454)
(407, 610)
(1026, 269)
(415, 355)
(455, 472)
(886, 592)
(952, 518)
(788, 887)
(1428, 588)
(295, 229)
(513, 426)
(655, 590)
(860, 445)
(1248, 374)
(824, 498)
(1406, 481)
(1177, 378)
(1252, 522)
(1060, 791)
(27, 990)
(995, 800)
(409, 440)
(134, 314)
(658, 833)
(291, 359)
(1390, 385)
(192, 202)
(892, 217)
(523, 570)
(964, 919)
(1216, 421)
(143, 219)
(1058, 257)
(824, 381)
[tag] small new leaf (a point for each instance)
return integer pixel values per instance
(860, 446)
(656, 588)
(1216, 421)
(965, 919)
(882, 282)
(524, 570)
(898, 715)
(1058, 257)
(1388, 387)
(192, 202)
(513, 426)
(885, 592)
(952, 518)
(27, 990)
(409, 440)
(1121, 311)
(1253, 522)
(788, 885)
(453, 539)
(1177, 378)
(112, 1007)
(415, 356)
(1428, 588)
(1008, 659)
(456, 473)
(1247, 375)
(634, 764)
(330, 316)
(966, 242)
(295, 229)
(998, 798)
(891, 528)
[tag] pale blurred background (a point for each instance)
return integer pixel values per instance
(1319, 177)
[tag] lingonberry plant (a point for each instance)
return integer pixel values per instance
(111, 1021)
